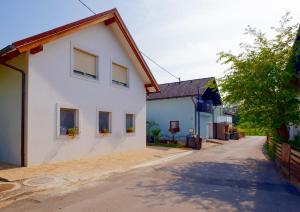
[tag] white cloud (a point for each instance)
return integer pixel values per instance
(185, 36)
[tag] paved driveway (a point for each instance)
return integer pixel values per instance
(232, 177)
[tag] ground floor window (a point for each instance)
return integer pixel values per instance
(130, 123)
(174, 126)
(68, 121)
(104, 122)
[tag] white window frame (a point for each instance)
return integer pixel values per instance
(59, 106)
(134, 123)
(124, 64)
(99, 109)
(89, 51)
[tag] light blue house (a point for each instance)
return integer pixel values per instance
(176, 103)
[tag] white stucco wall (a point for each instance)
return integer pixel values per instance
(10, 111)
(51, 83)
(177, 109)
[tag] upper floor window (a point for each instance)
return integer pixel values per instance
(85, 64)
(119, 74)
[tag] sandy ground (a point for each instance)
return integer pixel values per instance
(89, 165)
(232, 177)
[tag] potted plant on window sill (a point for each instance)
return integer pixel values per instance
(130, 130)
(72, 132)
(104, 131)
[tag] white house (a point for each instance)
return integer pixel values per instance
(176, 104)
(87, 78)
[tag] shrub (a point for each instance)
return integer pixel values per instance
(270, 150)
(150, 125)
(155, 132)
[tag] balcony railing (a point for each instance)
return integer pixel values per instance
(204, 107)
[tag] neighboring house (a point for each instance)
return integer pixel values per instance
(175, 104)
(295, 63)
(86, 77)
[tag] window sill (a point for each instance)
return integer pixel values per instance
(130, 133)
(104, 134)
(67, 137)
(84, 77)
(120, 83)
(119, 86)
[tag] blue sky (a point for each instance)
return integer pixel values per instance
(182, 36)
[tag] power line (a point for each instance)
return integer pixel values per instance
(149, 58)
(87, 7)
(162, 68)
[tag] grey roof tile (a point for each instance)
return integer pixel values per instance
(180, 89)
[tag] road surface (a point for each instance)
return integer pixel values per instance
(232, 177)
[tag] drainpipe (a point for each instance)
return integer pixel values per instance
(198, 114)
(195, 118)
(22, 110)
(212, 119)
(195, 115)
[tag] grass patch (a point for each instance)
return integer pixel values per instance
(252, 131)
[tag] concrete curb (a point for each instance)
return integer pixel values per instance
(163, 160)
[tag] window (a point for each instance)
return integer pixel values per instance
(85, 64)
(119, 75)
(104, 119)
(68, 121)
(174, 126)
(130, 125)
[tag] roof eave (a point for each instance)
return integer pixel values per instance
(140, 57)
(172, 97)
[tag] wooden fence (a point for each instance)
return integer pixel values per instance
(289, 161)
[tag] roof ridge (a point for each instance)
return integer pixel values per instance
(188, 80)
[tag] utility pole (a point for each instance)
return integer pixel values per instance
(197, 104)
(198, 139)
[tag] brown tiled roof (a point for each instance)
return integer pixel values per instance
(180, 89)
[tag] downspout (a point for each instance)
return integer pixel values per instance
(195, 119)
(195, 115)
(212, 121)
(22, 110)
(198, 124)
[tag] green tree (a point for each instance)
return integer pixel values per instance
(258, 80)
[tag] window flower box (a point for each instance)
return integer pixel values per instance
(104, 131)
(72, 132)
(130, 130)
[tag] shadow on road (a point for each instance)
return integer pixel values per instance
(242, 185)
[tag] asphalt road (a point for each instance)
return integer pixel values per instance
(232, 177)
